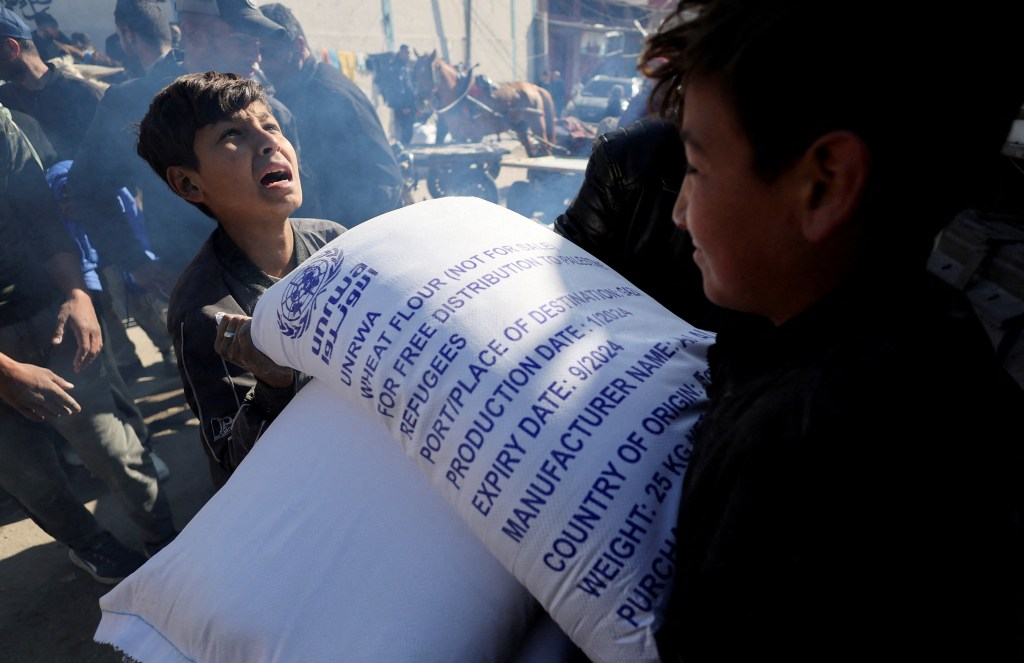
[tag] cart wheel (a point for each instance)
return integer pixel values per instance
(473, 181)
(493, 167)
(477, 183)
(435, 176)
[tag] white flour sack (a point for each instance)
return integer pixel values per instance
(550, 401)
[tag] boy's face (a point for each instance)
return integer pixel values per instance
(248, 171)
(742, 227)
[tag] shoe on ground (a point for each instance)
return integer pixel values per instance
(162, 471)
(108, 561)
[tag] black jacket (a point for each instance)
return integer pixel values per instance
(233, 408)
(623, 216)
(854, 490)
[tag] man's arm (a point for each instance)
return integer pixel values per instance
(77, 309)
(35, 392)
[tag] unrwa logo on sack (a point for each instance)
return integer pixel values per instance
(300, 297)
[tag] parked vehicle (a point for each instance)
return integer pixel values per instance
(590, 102)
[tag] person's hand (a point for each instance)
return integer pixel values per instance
(35, 392)
(78, 313)
(234, 344)
(153, 277)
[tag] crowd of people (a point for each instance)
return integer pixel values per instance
(96, 206)
(855, 486)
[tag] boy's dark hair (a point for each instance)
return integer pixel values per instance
(284, 17)
(931, 92)
(145, 18)
(167, 133)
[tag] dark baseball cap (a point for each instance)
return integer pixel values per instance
(242, 15)
(12, 25)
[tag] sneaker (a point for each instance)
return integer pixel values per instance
(107, 561)
(162, 471)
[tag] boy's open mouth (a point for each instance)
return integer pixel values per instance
(277, 175)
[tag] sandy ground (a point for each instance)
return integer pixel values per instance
(48, 607)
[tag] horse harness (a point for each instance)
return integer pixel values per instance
(467, 94)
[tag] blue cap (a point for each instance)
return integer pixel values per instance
(12, 25)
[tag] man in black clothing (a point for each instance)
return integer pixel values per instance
(349, 172)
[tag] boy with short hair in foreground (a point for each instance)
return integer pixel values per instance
(855, 488)
(213, 138)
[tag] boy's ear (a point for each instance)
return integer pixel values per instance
(182, 182)
(836, 169)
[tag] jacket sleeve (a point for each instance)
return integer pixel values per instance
(233, 408)
(589, 221)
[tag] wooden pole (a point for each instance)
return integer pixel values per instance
(469, 40)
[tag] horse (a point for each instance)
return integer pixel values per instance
(473, 107)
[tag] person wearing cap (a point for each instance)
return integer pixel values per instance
(349, 173)
(224, 35)
(50, 379)
(63, 105)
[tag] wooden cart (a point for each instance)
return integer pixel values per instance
(454, 169)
